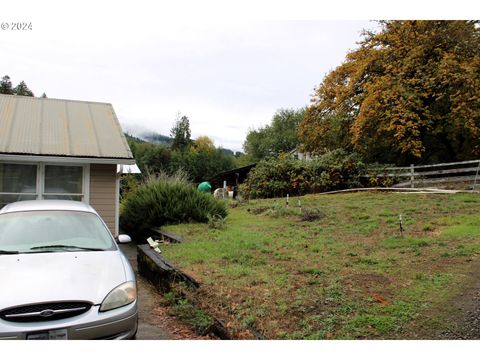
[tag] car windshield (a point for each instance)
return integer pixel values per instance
(53, 231)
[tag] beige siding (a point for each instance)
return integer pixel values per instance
(102, 192)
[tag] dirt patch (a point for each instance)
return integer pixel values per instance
(368, 282)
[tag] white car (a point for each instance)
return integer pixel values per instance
(63, 274)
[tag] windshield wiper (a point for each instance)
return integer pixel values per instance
(65, 247)
(3, 252)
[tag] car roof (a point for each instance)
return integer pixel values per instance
(37, 205)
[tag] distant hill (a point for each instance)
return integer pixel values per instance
(159, 139)
(156, 138)
(133, 138)
(228, 152)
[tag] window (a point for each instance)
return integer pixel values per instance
(42, 181)
(63, 182)
(17, 182)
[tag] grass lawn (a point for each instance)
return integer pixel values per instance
(346, 275)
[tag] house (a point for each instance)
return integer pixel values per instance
(62, 149)
(299, 155)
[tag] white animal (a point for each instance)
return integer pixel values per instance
(220, 193)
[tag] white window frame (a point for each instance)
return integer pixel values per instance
(85, 194)
(40, 186)
(36, 193)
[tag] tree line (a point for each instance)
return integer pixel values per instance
(6, 87)
(198, 158)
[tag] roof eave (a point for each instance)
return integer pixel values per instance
(65, 159)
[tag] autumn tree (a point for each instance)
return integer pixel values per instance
(409, 93)
(203, 144)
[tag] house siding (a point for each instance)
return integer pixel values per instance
(103, 192)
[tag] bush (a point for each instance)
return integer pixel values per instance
(165, 200)
(279, 177)
(216, 222)
(378, 175)
(311, 215)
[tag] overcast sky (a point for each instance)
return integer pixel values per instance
(152, 61)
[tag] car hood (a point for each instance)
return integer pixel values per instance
(59, 276)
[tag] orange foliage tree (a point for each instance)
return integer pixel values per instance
(410, 93)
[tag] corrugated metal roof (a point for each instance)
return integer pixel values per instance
(54, 127)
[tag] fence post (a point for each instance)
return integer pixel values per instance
(412, 176)
(476, 175)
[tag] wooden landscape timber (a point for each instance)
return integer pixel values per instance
(159, 271)
(167, 236)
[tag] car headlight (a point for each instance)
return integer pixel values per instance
(120, 296)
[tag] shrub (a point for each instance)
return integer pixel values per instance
(216, 222)
(165, 200)
(378, 175)
(279, 177)
(311, 215)
(128, 183)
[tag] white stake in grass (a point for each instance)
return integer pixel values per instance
(401, 224)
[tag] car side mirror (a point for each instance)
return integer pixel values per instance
(123, 239)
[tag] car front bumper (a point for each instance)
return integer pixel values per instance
(118, 324)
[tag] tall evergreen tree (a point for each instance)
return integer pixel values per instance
(6, 85)
(181, 134)
(22, 89)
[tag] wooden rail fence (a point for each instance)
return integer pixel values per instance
(421, 175)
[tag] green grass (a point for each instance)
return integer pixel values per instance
(405, 242)
(349, 274)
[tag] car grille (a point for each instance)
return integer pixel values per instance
(111, 337)
(45, 311)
